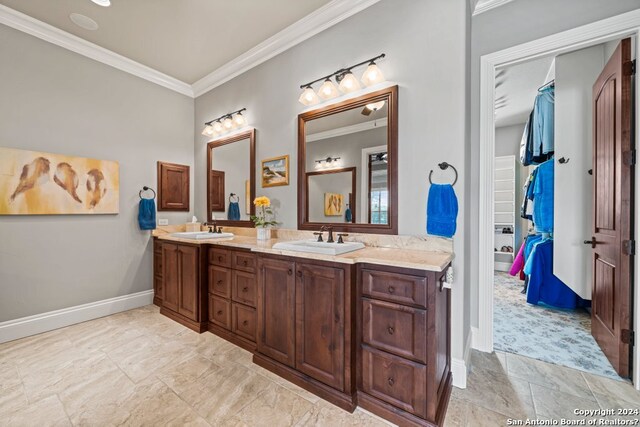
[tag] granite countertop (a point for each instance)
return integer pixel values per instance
(394, 257)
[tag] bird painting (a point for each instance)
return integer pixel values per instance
(67, 179)
(33, 174)
(95, 187)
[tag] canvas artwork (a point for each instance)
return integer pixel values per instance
(36, 183)
(333, 204)
(275, 171)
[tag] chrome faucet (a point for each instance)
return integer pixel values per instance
(328, 228)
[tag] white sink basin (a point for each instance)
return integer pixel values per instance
(319, 247)
(201, 235)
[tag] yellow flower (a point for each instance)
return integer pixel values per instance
(262, 201)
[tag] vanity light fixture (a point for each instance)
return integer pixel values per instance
(225, 123)
(345, 78)
(328, 160)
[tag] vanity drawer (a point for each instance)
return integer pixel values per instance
(244, 321)
(244, 261)
(220, 257)
(157, 262)
(395, 287)
(245, 288)
(220, 311)
(220, 281)
(398, 329)
(395, 380)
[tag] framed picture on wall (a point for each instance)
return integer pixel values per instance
(275, 171)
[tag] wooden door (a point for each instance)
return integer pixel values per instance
(612, 182)
(276, 310)
(320, 313)
(170, 276)
(189, 281)
(216, 191)
(173, 187)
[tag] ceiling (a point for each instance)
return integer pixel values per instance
(516, 90)
(185, 39)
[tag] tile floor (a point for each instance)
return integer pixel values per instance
(140, 368)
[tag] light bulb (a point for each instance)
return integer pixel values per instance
(228, 123)
(208, 130)
(217, 127)
(239, 120)
(375, 106)
(372, 75)
(328, 90)
(349, 83)
(308, 97)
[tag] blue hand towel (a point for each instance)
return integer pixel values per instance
(442, 210)
(147, 214)
(348, 216)
(234, 211)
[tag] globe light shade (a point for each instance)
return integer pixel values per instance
(349, 83)
(308, 97)
(228, 123)
(239, 120)
(208, 130)
(217, 127)
(372, 75)
(328, 90)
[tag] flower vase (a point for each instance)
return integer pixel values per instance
(263, 233)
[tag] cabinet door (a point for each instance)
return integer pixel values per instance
(173, 187)
(189, 281)
(320, 312)
(276, 310)
(170, 276)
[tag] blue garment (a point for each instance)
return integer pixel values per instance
(147, 214)
(544, 286)
(234, 211)
(543, 197)
(442, 210)
(543, 113)
(348, 216)
(529, 245)
(526, 156)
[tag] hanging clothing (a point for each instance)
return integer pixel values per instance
(442, 210)
(543, 285)
(543, 197)
(147, 214)
(518, 262)
(526, 210)
(543, 123)
(526, 155)
(233, 213)
(348, 216)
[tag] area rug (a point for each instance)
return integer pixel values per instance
(541, 332)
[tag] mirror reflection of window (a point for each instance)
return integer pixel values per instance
(355, 138)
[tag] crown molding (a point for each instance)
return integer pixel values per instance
(346, 130)
(21, 22)
(325, 17)
(491, 4)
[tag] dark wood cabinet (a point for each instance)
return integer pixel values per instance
(320, 323)
(276, 309)
(216, 191)
(157, 272)
(173, 187)
(182, 297)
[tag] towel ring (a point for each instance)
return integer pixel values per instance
(145, 188)
(237, 200)
(443, 166)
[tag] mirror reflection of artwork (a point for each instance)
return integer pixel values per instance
(333, 204)
(275, 171)
(36, 183)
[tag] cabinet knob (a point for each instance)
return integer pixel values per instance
(245, 289)
(391, 381)
(391, 289)
(390, 330)
(290, 272)
(219, 312)
(220, 258)
(220, 282)
(244, 262)
(299, 273)
(245, 323)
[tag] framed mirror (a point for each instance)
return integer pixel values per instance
(348, 165)
(231, 179)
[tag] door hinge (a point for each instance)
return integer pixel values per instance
(630, 68)
(629, 157)
(628, 336)
(629, 247)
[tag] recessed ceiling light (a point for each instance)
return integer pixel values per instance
(103, 3)
(83, 21)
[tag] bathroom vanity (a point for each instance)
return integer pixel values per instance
(358, 329)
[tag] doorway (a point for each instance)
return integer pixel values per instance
(561, 43)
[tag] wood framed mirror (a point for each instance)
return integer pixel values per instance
(231, 178)
(348, 165)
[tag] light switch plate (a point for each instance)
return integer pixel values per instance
(163, 222)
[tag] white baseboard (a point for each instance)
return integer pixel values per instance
(39, 323)
(502, 266)
(460, 367)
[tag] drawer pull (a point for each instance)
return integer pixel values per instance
(390, 330)
(391, 289)
(391, 381)
(244, 262)
(219, 312)
(220, 282)
(290, 272)
(245, 323)
(220, 258)
(299, 273)
(245, 289)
